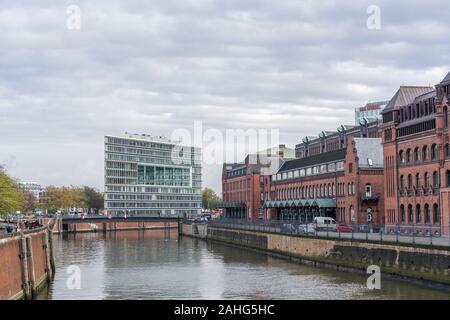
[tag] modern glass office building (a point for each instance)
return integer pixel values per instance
(146, 175)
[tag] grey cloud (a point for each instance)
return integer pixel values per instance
(155, 66)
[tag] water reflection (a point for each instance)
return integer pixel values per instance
(157, 265)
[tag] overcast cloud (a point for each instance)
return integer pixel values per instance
(156, 66)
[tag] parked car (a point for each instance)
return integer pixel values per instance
(309, 228)
(344, 228)
(325, 223)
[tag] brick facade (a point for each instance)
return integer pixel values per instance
(337, 189)
(415, 146)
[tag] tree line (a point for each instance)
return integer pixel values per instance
(53, 198)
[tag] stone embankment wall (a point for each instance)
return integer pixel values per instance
(27, 263)
(430, 265)
(194, 230)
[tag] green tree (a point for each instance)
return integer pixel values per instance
(11, 198)
(94, 198)
(55, 198)
(210, 200)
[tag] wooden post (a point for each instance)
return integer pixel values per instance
(24, 268)
(48, 268)
(30, 265)
(52, 254)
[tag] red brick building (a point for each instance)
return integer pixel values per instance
(416, 151)
(242, 183)
(345, 183)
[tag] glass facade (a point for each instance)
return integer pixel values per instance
(151, 176)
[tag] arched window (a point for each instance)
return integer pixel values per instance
(402, 213)
(425, 153)
(445, 117)
(426, 182)
(353, 188)
(408, 156)
(418, 214)
(436, 215)
(447, 150)
(435, 180)
(416, 154)
(352, 214)
(417, 180)
(402, 157)
(410, 214)
(409, 181)
(426, 210)
(402, 182)
(433, 152)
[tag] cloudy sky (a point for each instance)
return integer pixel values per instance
(156, 66)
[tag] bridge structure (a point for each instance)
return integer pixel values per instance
(99, 218)
(92, 223)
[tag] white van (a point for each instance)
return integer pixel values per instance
(322, 223)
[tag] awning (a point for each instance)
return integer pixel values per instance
(326, 203)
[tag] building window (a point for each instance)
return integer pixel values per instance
(418, 214)
(410, 214)
(425, 153)
(402, 213)
(368, 190)
(350, 167)
(427, 213)
(408, 156)
(447, 150)
(402, 157)
(417, 180)
(425, 180)
(416, 154)
(436, 215)
(409, 182)
(402, 182)
(435, 180)
(433, 152)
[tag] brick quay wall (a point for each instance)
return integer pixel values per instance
(418, 264)
(27, 263)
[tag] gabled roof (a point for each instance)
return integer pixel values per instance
(446, 79)
(405, 96)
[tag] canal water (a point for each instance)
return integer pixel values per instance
(158, 265)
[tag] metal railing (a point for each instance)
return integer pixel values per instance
(421, 234)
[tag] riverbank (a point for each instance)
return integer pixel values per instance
(27, 263)
(429, 266)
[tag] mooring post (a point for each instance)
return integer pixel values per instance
(50, 249)
(24, 267)
(48, 266)
(30, 266)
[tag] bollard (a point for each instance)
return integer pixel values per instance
(397, 231)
